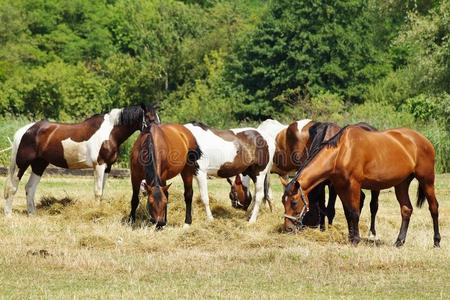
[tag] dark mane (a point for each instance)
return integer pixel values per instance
(318, 132)
(151, 176)
(131, 115)
(200, 124)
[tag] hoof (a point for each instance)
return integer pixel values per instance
(372, 237)
(399, 243)
(186, 226)
(437, 244)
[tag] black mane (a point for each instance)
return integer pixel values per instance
(200, 124)
(151, 176)
(131, 115)
(318, 132)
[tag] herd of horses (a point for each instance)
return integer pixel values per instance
(317, 154)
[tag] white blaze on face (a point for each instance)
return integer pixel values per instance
(84, 154)
(216, 151)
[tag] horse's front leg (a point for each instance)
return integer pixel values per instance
(202, 181)
(99, 175)
(259, 195)
(188, 176)
(350, 197)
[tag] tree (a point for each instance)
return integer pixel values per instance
(311, 45)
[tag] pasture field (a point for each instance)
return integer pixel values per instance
(77, 248)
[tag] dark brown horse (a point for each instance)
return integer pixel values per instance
(93, 143)
(356, 158)
(160, 153)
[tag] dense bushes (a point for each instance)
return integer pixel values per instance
(231, 62)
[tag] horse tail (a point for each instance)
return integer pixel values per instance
(193, 156)
(266, 187)
(420, 196)
(11, 184)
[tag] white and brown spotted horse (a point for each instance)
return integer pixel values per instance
(227, 153)
(93, 143)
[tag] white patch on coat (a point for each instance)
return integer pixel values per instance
(302, 123)
(216, 151)
(271, 127)
(84, 154)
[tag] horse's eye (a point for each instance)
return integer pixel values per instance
(294, 204)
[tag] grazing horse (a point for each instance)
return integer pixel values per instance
(227, 153)
(292, 148)
(160, 153)
(356, 158)
(93, 143)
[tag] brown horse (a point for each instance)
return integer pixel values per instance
(356, 158)
(93, 143)
(160, 153)
(293, 145)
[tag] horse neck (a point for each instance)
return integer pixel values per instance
(121, 133)
(319, 169)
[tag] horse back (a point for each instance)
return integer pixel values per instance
(391, 154)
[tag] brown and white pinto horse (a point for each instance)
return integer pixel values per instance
(160, 153)
(227, 153)
(356, 158)
(93, 143)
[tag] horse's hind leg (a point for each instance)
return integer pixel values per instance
(373, 214)
(202, 181)
(38, 167)
(401, 192)
(12, 184)
(433, 206)
(187, 176)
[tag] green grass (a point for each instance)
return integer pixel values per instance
(85, 250)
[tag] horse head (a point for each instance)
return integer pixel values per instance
(296, 205)
(240, 195)
(150, 115)
(157, 196)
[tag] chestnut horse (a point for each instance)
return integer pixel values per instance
(227, 153)
(292, 149)
(356, 158)
(93, 143)
(160, 153)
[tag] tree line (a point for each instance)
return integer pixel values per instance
(231, 62)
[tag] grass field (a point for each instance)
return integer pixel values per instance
(77, 248)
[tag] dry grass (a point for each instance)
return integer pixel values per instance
(77, 248)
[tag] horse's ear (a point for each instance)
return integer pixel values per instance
(144, 108)
(283, 181)
(229, 181)
(238, 179)
(166, 188)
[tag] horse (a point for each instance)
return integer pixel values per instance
(161, 152)
(227, 153)
(356, 158)
(292, 144)
(93, 143)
